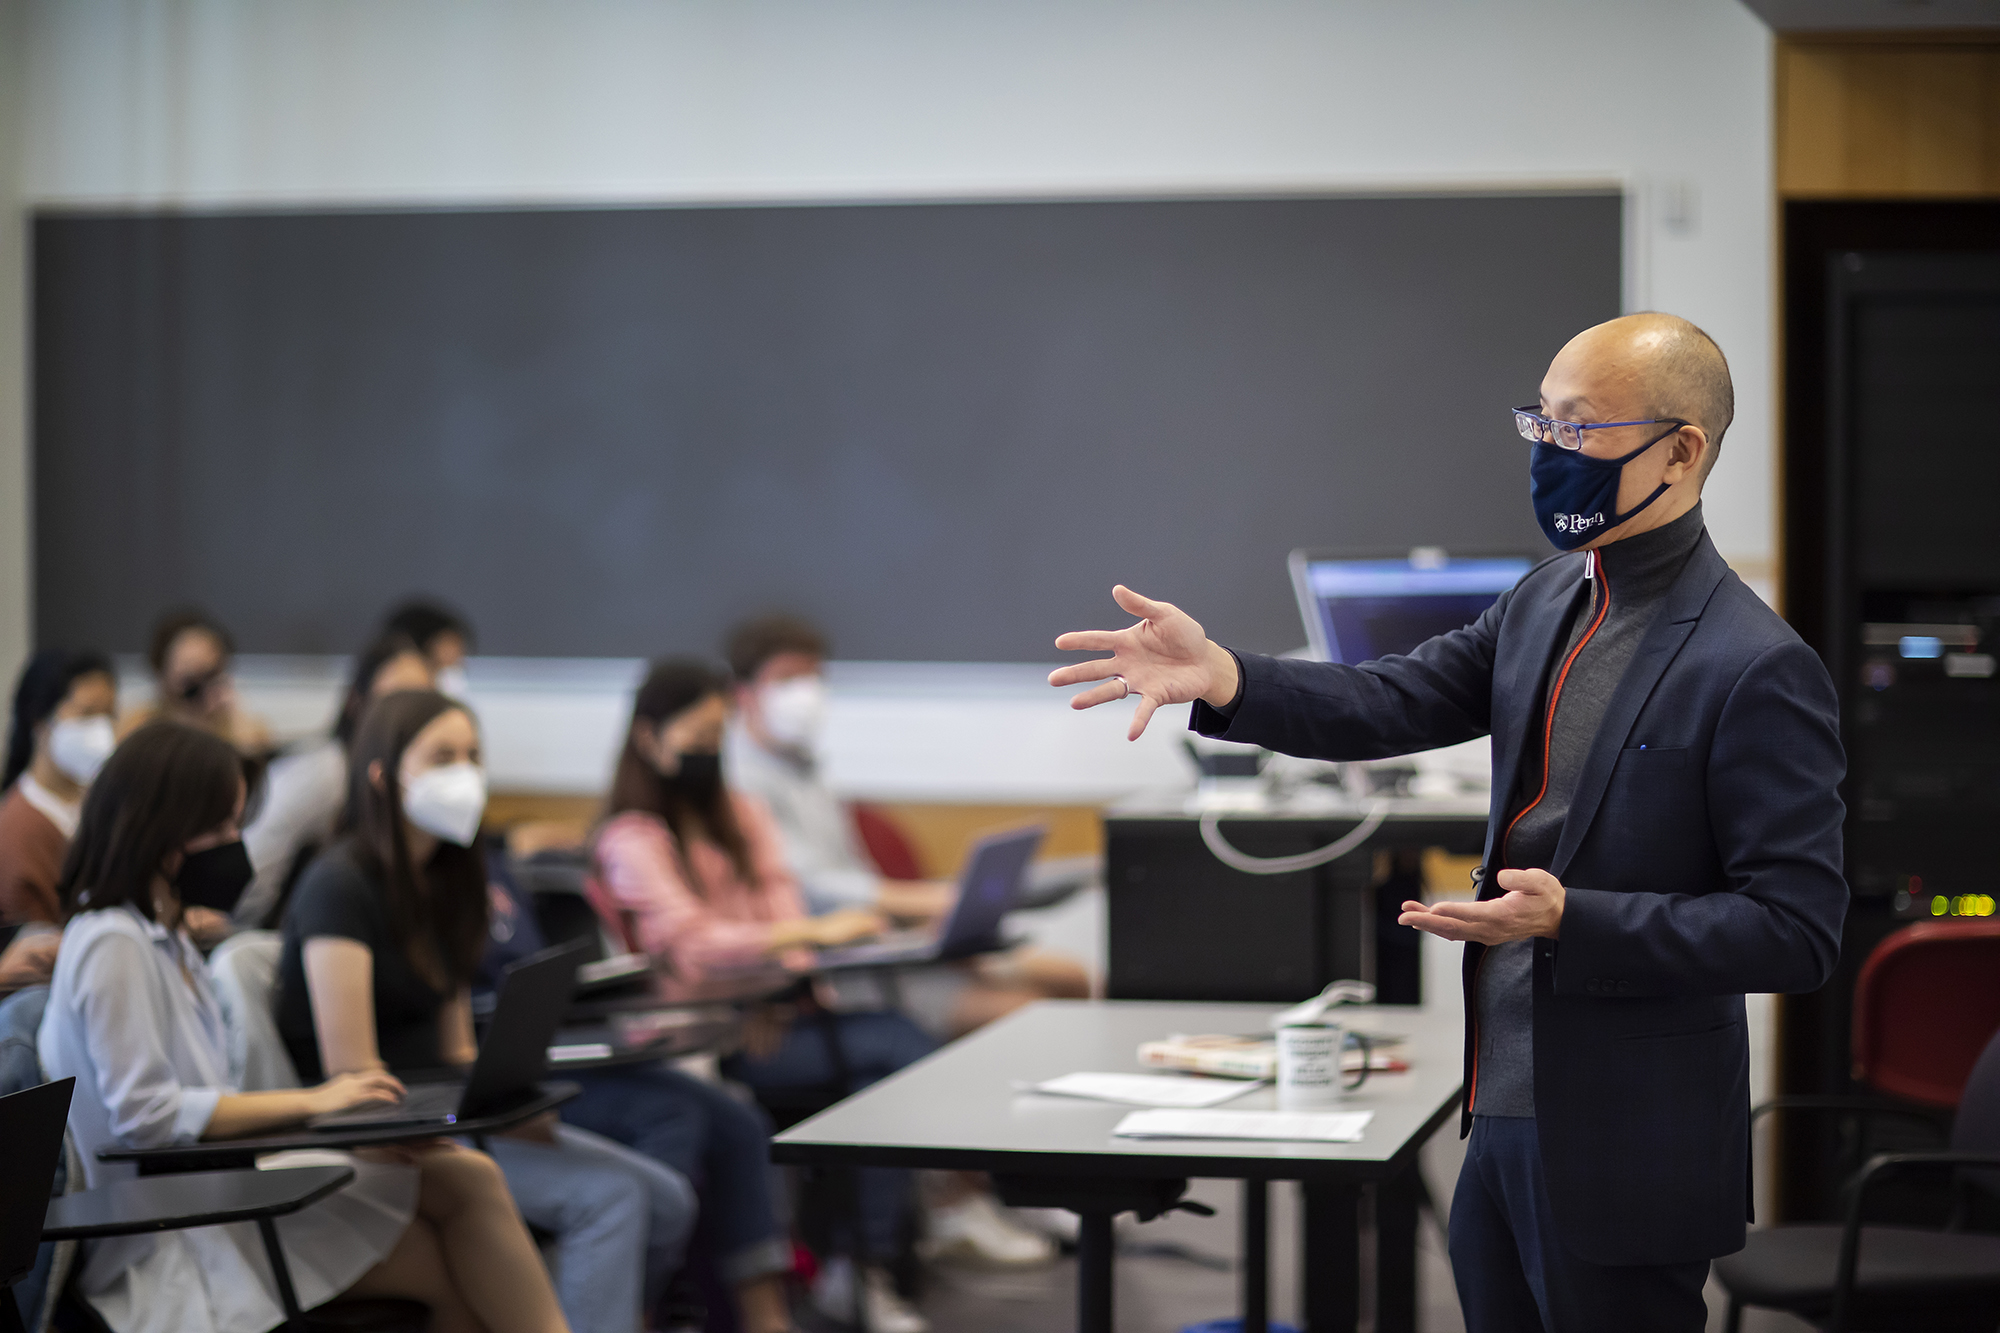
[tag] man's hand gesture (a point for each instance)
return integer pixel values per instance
(1531, 907)
(1166, 658)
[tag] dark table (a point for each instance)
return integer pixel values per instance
(199, 1199)
(958, 1110)
(236, 1154)
(1181, 925)
(661, 991)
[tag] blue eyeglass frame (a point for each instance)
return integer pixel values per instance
(1526, 417)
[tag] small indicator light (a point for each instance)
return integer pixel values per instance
(1939, 906)
(1920, 645)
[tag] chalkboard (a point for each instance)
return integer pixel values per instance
(943, 430)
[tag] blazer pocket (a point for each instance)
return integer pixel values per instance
(1653, 758)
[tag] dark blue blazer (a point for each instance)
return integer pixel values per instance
(1701, 859)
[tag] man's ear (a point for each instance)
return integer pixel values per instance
(375, 775)
(1690, 447)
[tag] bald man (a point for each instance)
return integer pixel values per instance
(1664, 838)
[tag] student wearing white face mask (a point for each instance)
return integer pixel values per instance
(781, 704)
(383, 936)
(442, 635)
(304, 789)
(62, 733)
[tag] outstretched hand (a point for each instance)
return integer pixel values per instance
(1167, 658)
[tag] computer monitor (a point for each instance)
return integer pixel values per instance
(1358, 608)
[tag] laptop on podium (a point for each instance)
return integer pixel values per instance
(534, 994)
(989, 888)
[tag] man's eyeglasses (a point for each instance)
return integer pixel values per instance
(1569, 434)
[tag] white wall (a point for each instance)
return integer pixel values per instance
(315, 102)
(15, 609)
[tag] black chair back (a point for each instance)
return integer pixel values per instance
(31, 1127)
(1977, 1128)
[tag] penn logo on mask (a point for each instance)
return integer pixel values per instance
(1574, 523)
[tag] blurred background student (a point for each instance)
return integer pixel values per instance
(382, 939)
(132, 1018)
(779, 688)
(441, 634)
(304, 790)
(685, 869)
(60, 734)
(190, 652)
(721, 1145)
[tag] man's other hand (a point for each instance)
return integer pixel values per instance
(1166, 658)
(1531, 907)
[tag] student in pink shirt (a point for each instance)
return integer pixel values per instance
(686, 869)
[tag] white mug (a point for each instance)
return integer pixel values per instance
(1309, 1076)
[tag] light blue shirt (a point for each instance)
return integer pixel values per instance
(132, 1018)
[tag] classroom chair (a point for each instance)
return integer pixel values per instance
(1924, 1005)
(887, 845)
(1855, 1275)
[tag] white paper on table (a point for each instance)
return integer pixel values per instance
(1303, 1126)
(1177, 1090)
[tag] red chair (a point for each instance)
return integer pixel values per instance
(888, 846)
(1925, 1005)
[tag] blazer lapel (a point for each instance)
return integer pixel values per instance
(1528, 643)
(1685, 602)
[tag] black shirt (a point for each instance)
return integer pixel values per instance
(336, 897)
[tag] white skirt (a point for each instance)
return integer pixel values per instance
(218, 1280)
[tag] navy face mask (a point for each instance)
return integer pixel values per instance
(1575, 495)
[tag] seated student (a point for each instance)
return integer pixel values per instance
(441, 635)
(132, 1018)
(60, 736)
(695, 1127)
(382, 938)
(189, 654)
(780, 702)
(686, 869)
(304, 790)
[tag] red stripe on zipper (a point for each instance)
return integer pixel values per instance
(1548, 734)
(1549, 723)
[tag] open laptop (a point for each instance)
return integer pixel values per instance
(988, 890)
(534, 994)
(1358, 606)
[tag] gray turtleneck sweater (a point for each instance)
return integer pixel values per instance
(1620, 597)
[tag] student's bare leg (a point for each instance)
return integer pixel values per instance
(486, 1246)
(415, 1271)
(761, 1306)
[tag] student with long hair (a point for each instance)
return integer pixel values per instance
(60, 736)
(383, 936)
(686, 869)
(304, 790)
(131, 1016)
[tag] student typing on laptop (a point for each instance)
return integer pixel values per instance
(132, 1018)
(689, 870)
(382, 937)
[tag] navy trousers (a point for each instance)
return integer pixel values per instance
(1514, 1273)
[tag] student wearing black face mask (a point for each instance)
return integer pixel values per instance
(190, 654)
(130, 1015)
(689, 870)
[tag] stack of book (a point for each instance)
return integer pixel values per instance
(1252, 1057)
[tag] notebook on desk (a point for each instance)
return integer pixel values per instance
(988, 890)
(533, 996)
